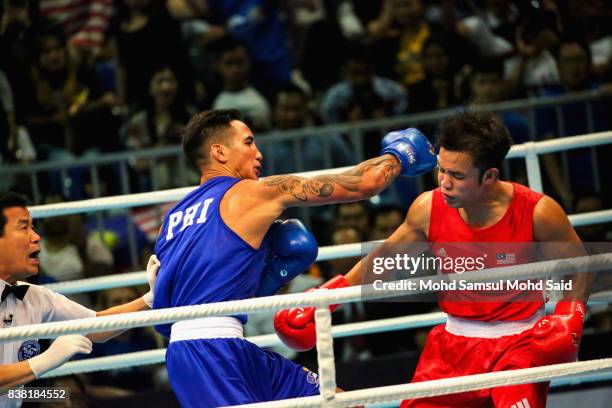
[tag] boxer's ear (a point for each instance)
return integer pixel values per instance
(218, 152)
(490, 176)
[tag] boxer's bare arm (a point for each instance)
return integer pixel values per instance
(551, 225)
(363, 181)
(413, 229)
(251, 206)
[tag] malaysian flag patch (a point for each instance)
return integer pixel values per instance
(504, 259)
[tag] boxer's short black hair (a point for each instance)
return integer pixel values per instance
(204, 129)
(10, 200)
(480, 134)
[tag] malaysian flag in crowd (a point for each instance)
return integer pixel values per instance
(84, 21)
(149, 219)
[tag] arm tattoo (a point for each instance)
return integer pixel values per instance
(324, 186)
(390, 168)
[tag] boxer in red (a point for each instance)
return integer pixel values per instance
(472, 204)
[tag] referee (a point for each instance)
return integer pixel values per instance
(24, 304)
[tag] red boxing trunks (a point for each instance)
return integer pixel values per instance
(449, 355)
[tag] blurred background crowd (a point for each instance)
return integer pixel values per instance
(86, 80)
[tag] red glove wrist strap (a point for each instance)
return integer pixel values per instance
(570, 306)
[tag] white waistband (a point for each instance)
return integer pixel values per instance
(207, 328)
(490, 330)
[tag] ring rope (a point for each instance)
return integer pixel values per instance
(325, 253)
(126, 360)
(320, 298)
(109, 203)
(589, 218)
(135, 199)
(169, 315)
(271, 340)
(157, 197)
(140, 277)
(325, 355)
(158, 356)
(265, 340)
(119, 280)
(447, 385)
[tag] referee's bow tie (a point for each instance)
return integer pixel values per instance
(18, 290)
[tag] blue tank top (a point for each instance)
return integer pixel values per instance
(202, 259)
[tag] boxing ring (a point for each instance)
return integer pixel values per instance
(561, 374)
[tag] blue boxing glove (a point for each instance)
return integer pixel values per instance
(412, 149)
(291, 250)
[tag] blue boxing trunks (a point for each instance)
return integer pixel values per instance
(210, 364)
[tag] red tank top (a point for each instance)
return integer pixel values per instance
(512, 235)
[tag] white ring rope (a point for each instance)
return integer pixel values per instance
(325, 354)
(109, 203)
(589, 218)
(325, 253)
(134, 200)
(163, 196)
(320, 298)
(562, 143)
(140, 277)
(158, 356)
(447, 385)
(119, 280)
(266, 340)
(126, 360)
(271, 340)
(149, 357)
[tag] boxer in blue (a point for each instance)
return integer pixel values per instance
(221, 242)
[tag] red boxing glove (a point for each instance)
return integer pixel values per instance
(556, 338)
(296, 326)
